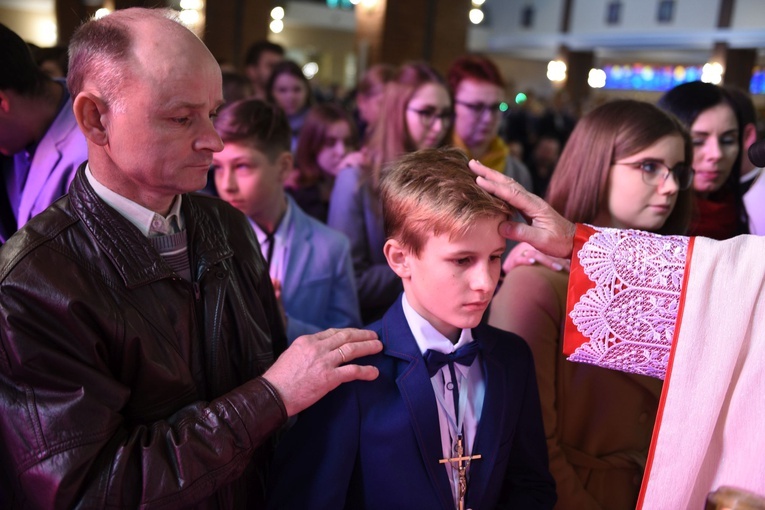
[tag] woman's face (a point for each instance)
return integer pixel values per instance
(337, 143)
(290, 93)
(428, 115)
(715, 147)
(634, 204)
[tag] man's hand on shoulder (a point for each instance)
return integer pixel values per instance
(316, 364)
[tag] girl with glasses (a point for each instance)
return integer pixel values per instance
(626, 165)
(416, 113)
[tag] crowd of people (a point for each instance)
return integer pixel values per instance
(342, 317)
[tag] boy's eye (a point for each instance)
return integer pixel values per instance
(181, 120)
(462, 261)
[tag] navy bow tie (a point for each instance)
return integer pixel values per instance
(464, 356)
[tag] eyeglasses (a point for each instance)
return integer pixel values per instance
(429, 115)
(478, 109)
(654, 172)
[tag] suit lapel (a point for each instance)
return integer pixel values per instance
(418, 397)
(298, 252)
(489, 431)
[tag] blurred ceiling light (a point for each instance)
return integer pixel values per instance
(276, 26)
(47, 33)
(476, 16)
(103, 11)
(189, 17)
(597, 78)
(310, 69)
(478, 3)
(197, 5)
(277, 13)
(712, 72)
(556, 71)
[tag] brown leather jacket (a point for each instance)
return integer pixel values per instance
(123, 385)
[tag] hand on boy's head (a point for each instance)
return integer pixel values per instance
(548, 231)
(316, 364)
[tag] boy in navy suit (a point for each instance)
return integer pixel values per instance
(453, 420)
(309, 263)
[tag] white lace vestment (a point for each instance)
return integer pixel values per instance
(629, 316)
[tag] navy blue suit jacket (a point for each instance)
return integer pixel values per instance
(376, 445)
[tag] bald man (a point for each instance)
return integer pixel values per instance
(138, 324)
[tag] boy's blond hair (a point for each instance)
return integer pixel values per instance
(432, 192)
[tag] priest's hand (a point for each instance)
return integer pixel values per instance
(316, 364)
(547, 231)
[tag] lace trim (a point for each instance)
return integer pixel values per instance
(629, 316)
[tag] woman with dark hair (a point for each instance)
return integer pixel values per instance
(626, 165)
(327, 144)
(714, 122)
(416, 114)
(290, 90)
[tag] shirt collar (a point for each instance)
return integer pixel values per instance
(428, 337)
(281, 229)
(135, 213)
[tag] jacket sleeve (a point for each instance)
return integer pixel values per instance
(377, 284)
(64, 393)
(343, 309)
(528, 483)
(316, 459)
(327, 299)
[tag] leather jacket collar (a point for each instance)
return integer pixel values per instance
(131, 253)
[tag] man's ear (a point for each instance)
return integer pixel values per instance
(397, 257)
(90, 112)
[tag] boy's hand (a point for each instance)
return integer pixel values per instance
(354, 159)
(314, 365)
(547, 230)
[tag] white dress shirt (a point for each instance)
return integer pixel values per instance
(427, 337)
(146, 220)
(282, 240)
